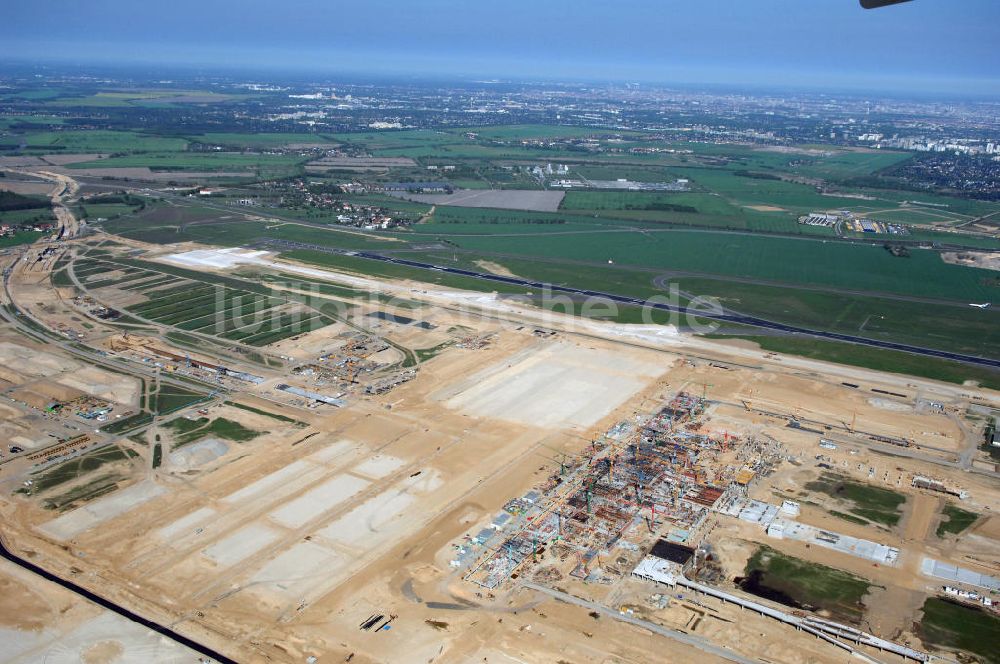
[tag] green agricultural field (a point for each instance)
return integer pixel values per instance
(799, 583)
(445, 214)
(216, 320)
(391, 202)
(424, 354)
(874, 504)
(85, 463)
(537, 132)
(149, 282)
(251, 409)
(92, 211)
(236, 309)
(223, 326)
(958, 328)
(187, 431)
(61, 278)
(234, 314)
(190, 275)
(387, 270)
(941, 237)
(95, 488)
(321, 287)
(636, 173)
(100, 141)
(634, 200)
(29, 216)
(702, 209)
(268, 164)
(142, 98)
(284, 328)
(234, 233)
(130, 279)
(262, 141)
(452, 145)
(844, 165)
(793, 197)
(952, 625)
(35, 94)
(642, 233)
(127, 424)
(17, 120)
(422, 139)
(933, 204)
(462, 220)
(955, 520)
(863, 268)
(22, 237)
(171, 398)
(276, 328)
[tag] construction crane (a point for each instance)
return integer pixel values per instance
(561, 462)
(850, 427)
(352, 371)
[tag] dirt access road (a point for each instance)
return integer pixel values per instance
(66, 189)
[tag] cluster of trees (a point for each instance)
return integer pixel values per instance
(10, 201)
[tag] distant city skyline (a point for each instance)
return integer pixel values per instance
(925, 46)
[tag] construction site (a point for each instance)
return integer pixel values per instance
(657, 475)
(439, 475)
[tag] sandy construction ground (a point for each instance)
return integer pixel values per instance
(278, 548)
(28, 361)
(90, 516)
(19, 363)
(270, 534)
(41, 622)
(981, 259)
(552, 385)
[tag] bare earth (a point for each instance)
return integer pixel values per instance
(981, 259)
(276, 549)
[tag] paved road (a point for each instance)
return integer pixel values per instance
(205, 651)
(687, 639)
(739, 319)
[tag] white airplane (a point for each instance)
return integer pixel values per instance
(984, 305)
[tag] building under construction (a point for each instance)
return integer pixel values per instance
(641, 480)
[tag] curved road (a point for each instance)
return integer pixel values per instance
(739, 319)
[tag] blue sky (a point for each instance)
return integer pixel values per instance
(926, 45)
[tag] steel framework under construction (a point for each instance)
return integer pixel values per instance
(660, 474)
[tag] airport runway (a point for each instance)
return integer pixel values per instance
(722, 317)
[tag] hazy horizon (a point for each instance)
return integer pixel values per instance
(933, 47)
